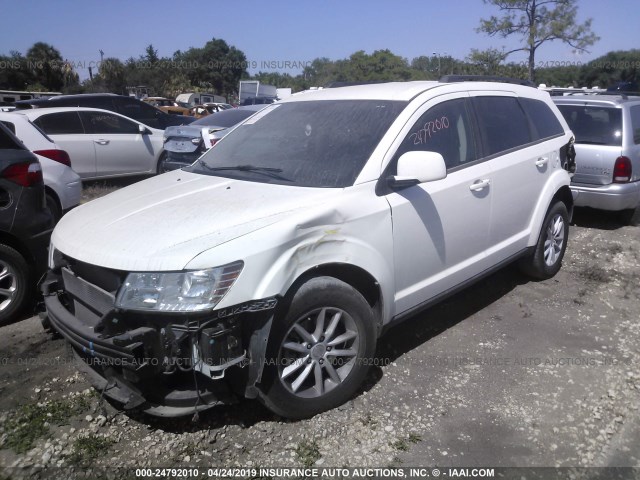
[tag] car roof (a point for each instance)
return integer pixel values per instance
(47, 111)
(404, 91)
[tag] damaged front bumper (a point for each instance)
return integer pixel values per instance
(165, 364)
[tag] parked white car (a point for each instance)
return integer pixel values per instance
(289, 246)
(101, 143)
(63, 186)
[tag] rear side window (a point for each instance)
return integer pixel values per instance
(593, 124)
(445, 129)
(10, 126)
(635, 123)
(60, 123)
(544, 121)
(6, 142)
(502, 123)
(107, 123)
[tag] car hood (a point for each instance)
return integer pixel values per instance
(162, 223)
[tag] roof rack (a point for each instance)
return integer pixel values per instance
(353, 84)
(617, 93)
(485, 78)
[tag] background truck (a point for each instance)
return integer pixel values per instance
(253, 88)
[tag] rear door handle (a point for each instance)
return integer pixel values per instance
(479, 185)
(542, 161)
(102, 142)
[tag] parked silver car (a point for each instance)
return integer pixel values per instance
(184, 144)
(607, 131)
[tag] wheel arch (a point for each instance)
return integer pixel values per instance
(352, 275)
(18, 246)
(557, 189)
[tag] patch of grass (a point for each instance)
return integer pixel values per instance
(308, 452)
(368, 421)
(400, 445)
(414, 438)
(29, 422)
(95, 190)
(86, 449)
(595, 274)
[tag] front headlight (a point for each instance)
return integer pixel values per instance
(192, 291)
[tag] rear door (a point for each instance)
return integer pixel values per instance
(66, 130)
(121, 149)
(521, 164)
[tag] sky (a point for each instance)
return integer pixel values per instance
(276, 32)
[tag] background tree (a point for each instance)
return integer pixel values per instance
(538, 22)
(45, 63)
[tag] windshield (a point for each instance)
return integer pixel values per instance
(313, 144)
(594, 125)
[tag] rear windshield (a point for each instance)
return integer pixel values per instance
(311, 144)
(225, 118)
(594, 125)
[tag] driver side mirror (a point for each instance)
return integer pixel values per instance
(143, 130)
(418, 167)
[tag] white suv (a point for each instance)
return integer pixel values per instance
(271, 265)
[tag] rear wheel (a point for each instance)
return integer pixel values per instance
(547, 257)
(14, 283)
(54, 207)
(320, 350)
(626, 216)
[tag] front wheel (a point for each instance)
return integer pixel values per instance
(320, 351)
(162, 168)
(547, 257)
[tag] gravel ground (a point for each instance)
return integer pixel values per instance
(507, 373)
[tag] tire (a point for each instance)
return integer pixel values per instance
(54, 207)
(161, 168)
(547, 257)
(14, 283)
(626, 216)
(307, 373)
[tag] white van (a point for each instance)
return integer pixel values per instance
(194, 99)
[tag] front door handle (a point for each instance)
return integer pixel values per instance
(102, 142)
(542, 161)
(479, 185)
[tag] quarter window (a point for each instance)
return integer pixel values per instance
(445, 129)
(635, 123)
(502, 122)
(545, 123)
(62, 123)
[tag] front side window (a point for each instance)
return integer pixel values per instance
(502, 123)
(107, 123)
(594, 125)
(445, 129)
(322, 143)
(62, 123)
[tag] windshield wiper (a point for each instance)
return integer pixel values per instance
(270, 171)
